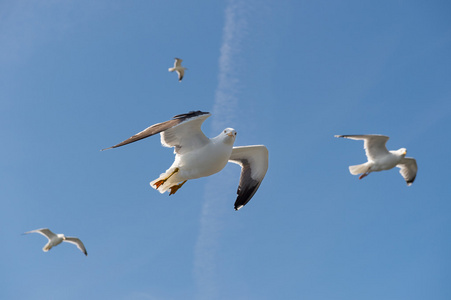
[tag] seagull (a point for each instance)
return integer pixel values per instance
(380, 159)
(198, 156)
(178, 68)
(56, 239)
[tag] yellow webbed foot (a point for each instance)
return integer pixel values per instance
(175, 188)
(363, 175)
(159, 183)
(162, 181)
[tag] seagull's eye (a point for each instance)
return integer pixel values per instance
(225, 131)
(235, 133)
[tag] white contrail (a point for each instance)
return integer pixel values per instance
(226, 93)
(217, 193)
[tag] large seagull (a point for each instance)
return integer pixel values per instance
(198, 156)
(380, 159)
(56, 239)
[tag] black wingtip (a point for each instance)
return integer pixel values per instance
(411, 180)
(191, 114)
(245, 195)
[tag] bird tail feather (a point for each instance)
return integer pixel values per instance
(168, 183)
(358, 169)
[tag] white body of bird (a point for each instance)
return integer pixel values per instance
(54, 241)
(386, 162)
(191, 165)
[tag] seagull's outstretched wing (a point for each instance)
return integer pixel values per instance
(177, 62)
(44, 231)
(181, 73)
(374, 144)
(254, 164)
(183, 131)
(408, 170)
(187, 135)
(77, 242)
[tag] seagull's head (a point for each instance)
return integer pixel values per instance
(402, 151)
(229, 135)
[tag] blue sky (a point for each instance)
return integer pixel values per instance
(79, 76)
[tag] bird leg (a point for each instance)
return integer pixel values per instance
(162, 181)
(364, 175)
(175, 188)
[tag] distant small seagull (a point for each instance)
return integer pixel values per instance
(56, 239)
(198, 156)
(178, 68)
(380, 159)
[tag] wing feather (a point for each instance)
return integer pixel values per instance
(408, 169)
(187, 135)
(181, 73)
(77, 242)
(374, 144)
(44, 231)
(254, 164)
(164, 126)
(177, 62)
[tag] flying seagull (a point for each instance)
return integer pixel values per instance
(178, 68)
(380, 159)
(198, 156)
(56, 239)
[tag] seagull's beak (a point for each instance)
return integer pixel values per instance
(405, 152)
(230, 134)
